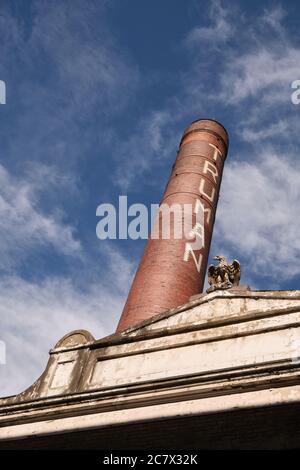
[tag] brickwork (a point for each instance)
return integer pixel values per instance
(172, 270)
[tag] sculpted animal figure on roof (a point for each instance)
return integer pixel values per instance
(224, 275)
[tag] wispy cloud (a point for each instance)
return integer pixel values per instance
(274, 130)
(274, 18)
(258, 214)
(268, 71)
(220, 29)
(23, 224)
(35, 315)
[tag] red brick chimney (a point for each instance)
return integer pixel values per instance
(172, 270)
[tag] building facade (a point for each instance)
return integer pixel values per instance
(221, 371)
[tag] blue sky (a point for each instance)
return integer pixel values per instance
(98, 95)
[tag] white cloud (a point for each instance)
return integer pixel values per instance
(262, 70)
(275, 129)
(220, 29)
(34, 316)
(274, 18)
(258, 214)
(258, 64)
(23, 224)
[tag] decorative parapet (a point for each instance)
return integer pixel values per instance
(223, 349)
